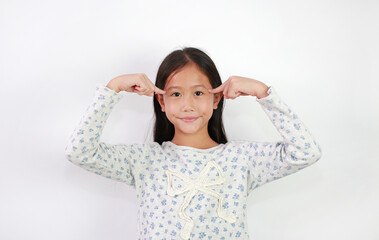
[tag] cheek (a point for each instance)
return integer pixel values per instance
(207, 107)
(169, 107)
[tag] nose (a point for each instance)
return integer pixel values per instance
(188, 104)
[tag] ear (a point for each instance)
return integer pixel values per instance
(216, 99)
(160, 100)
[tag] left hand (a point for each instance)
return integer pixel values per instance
(237, 86)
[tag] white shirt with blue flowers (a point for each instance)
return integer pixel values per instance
(185, 192)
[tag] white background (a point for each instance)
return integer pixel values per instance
(321, 57)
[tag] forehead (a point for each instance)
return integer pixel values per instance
(190, 76)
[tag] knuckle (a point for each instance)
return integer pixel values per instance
(141, 75)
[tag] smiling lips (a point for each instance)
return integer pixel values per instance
(189, 119)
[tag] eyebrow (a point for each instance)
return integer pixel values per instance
(194, 86)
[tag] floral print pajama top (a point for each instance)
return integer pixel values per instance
(190, 193)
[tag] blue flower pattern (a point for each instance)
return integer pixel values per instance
(245, 165)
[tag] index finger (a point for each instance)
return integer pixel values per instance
(158, 90)
(218, 89)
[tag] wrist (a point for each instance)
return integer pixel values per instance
(263, 92)
(113, 85)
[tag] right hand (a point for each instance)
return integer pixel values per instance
(138, 83)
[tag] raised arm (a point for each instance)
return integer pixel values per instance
(118, 162)
(85, 150)
(269, 161)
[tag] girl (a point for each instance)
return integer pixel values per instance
(191, 182)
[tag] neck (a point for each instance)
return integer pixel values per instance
(195, 142)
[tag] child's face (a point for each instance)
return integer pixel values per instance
(187, 106)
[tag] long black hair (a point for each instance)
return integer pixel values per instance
(164, 130)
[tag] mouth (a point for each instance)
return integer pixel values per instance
(188, 119)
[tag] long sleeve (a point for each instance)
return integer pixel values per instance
(268, 161)
(84, 149)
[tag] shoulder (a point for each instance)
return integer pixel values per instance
(150, 146)
(143, 148)
(237, 145)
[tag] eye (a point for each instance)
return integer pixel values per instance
(201, 93)
(175, 93)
